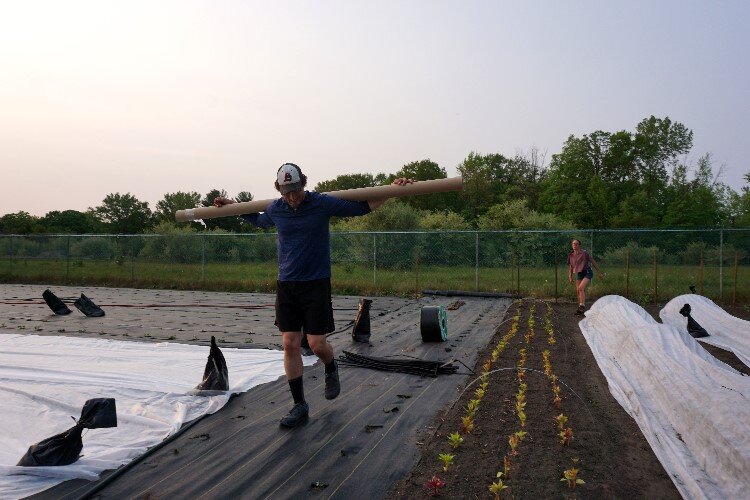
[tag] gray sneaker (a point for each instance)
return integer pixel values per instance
(333, 386)
(297, 416)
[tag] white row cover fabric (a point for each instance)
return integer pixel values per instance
(693, 409)
(725, 331)
(44, 380)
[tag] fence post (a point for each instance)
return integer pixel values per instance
(518, 275)
(736, 265)
(476, 262)
(374, 257)
(627, 273)
(67, 261)
(592, 243)
(721, 264)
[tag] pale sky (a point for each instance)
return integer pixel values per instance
(152, 97)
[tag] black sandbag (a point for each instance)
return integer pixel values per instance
(65, 448)
(694, 329)
(87, 307)
(216, 374)
(361, 329)
(54, 303)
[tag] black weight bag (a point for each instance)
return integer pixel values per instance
(65, 448)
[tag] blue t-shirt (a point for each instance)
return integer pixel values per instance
(303, 234)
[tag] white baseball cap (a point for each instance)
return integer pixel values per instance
(289, 178)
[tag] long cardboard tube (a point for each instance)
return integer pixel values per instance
(359, 194)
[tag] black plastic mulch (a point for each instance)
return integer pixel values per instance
(357, 445)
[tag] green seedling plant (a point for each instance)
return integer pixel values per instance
(479, 393)
(447, 460)
(467, 424)
(513, 441)
(472, 407)
(571, 475)
(547, 364)
(435, 484)
(498, 486)
(506, 466)
(455, 440)
(561, 420)
(548, 326)
(566, 436)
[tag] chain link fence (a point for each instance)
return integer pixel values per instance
(644, 265)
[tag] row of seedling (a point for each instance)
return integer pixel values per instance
(515, 439)
(565, 431)
(456, 439)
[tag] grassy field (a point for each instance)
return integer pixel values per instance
(637, 283)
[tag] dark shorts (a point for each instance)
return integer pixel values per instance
(586, 273)
(304, 306)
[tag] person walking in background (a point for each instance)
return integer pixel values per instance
(580, 262)
(303, 288)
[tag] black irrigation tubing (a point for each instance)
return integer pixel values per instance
(413, 367)
(342, 329)
(528, 370)
(446, 362)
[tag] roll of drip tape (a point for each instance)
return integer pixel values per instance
(433, 324)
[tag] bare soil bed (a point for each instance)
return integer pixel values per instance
(613, 457)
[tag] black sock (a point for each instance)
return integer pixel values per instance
(298, 393)
(331, 367)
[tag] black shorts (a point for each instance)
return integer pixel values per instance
(304, 306)
(586, 273)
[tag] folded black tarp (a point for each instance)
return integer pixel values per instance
(87, 307)
(54, 303)
(65, 448)
(216, 374)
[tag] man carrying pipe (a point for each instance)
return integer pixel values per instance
(303, 288)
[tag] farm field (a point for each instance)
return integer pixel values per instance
(636, 282)
(585, 432)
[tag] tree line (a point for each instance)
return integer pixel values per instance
(623, 179)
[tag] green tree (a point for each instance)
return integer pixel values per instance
(483, 182)
(244, 196)
(425, 170)
(517, 215)
(393, 215)
(700, 203)
(123, 214)
(444, 220)
(347, 181)
(69, 221)
(739, 205)
(172, 202)
(19, 223)
(658, 144)
(230, 224)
